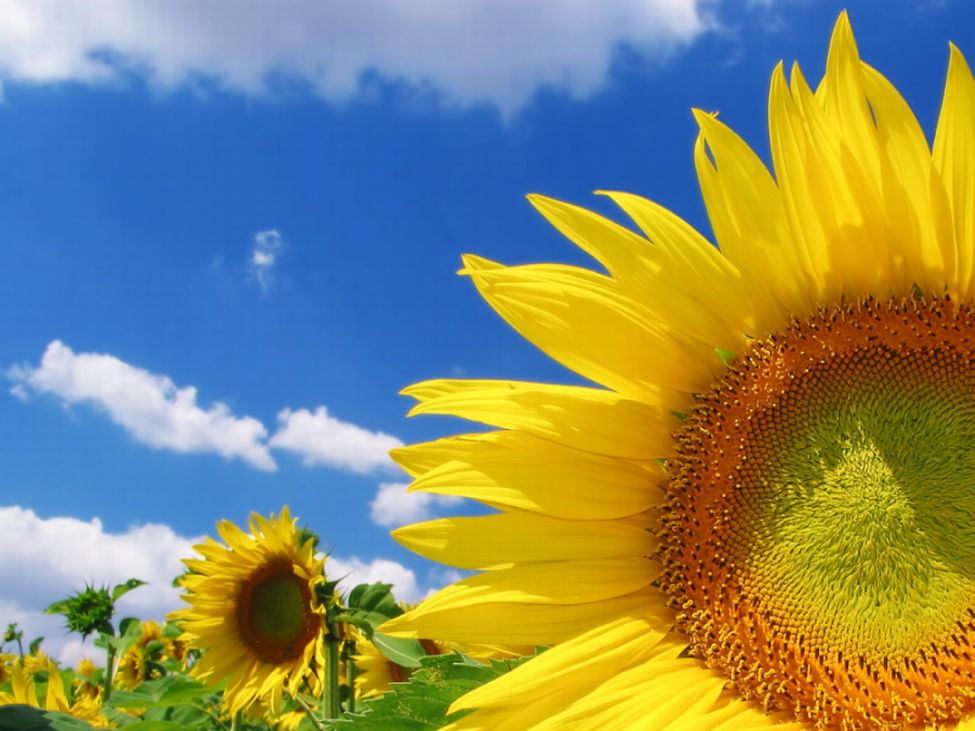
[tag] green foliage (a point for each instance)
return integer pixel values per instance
(27, 718)
(121, 590)
(421, 703)
(171, 691)
(145, 684)
(401, 650)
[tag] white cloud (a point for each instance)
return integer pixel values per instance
(264, 257)
(496, 51)
(394, 506)
(44, 560)
(321, 439)
(356, 571)
(149, 406)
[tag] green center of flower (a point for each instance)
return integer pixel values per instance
(277, 610)
(275, 613)
(863, 524)
(820, 539)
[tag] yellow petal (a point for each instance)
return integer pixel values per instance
(482, 542)
(917, 211)
(585, 418)
(599, 653)
(545, 582)
(588, 323)
(517, 470)
(56, 700)
(691, 264)
(954, 158)
(749, 222)
(664, 281)
(731, 713)
(518, 623)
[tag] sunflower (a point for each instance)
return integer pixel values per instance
(23, 691)
(253, 609)
(131, 670)
(764, 516)
(374, 671)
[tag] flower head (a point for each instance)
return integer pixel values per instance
(763, 514)
(253, 609)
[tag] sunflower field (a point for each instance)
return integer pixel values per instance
(267, 642)
(759, 516)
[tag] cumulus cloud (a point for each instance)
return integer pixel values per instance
(321, 439)
(356, 571)
(393, 506)
(264, 257)
(44, 560)
(478, 51)
(149, 406)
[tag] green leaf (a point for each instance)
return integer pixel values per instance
(401, 650)
(167, 692)
(421, 704)
(58, 607)
(28, 718)
(122, 589)
(375, 598)
(127, 624)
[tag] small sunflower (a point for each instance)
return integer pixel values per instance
(131, 670)
(23, 691)
(253, 609)
(375, 671)
(766, 515)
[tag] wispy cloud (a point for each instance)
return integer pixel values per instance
(264, 257)
(149, 406)
(322, 440)
(393, 506)
(463, 53)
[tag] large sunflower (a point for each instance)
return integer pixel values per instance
(253, 609)
(767, 515)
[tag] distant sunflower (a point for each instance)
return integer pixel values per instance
(131, 670)
(253, 609)
(767, 515)
(375, 671)
(23, 691)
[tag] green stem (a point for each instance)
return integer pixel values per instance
(350, 673)
(332, 706)
(309, 712)
(213, 717)
(109, 668)
(20, 646)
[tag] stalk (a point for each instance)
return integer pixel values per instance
(332, 703)
(109, 668)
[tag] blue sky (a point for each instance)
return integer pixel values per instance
(231, 238)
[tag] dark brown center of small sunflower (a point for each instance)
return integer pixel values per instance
(275, 613)
(819, 537)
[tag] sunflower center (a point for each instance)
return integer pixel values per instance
(820, 535)
(275, 613)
